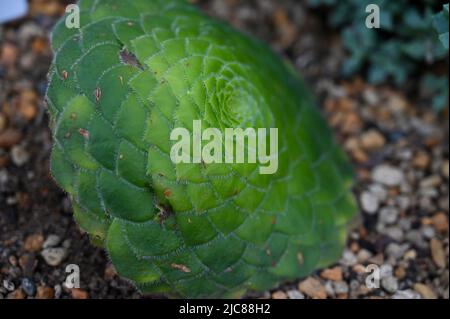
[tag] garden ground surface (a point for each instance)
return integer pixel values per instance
(399, 148)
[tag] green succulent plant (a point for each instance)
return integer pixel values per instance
(118, 85)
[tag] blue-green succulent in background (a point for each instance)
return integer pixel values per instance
(410, 38)
(441, 25)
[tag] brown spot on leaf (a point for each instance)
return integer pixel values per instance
(182, 268)
(98, 94)
(83, 133)
(167, 193)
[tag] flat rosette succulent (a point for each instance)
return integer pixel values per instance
(119, 85)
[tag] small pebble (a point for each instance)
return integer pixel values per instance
(396, 251)
(406, 294)
(386, 271)
(333, 274)
(390, 284)
(363, 255)
(445, 169)
(400, 273)
(372, 140)
(340, 287)
(440, 222)
(58, 291)
(313, 288)
(410, 254)
(431, 182)
(348, 258)
(295, 294)
(51, 241)
(369, 202)
(421, 160)
(28, 263)
(387, 175)
(425, 291)
(428, 232)
(379, 191)
(19, 155)
(54, 256)
(394, 232)
(8, 285)
(28, 286)
(388, 215)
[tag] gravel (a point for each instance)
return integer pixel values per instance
(28, 286)
(54, 256)
(390, 284)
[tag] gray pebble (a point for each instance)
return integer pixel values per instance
(431, 182)
(386, 271)
(8, 285)
(394, 232)
(369, 202)
(3, 177)
(414, 236)
(396, 251)
(404, 202)
(51, 241)
(428, 232)
(295, 294)
(28, 286)
(405, 223)
(330, 289)
(54, 256)
(19, 155)
(387, 175)
(66, 243)
(388, 215)
(379, 191)
(363, 255)
(390, 284)
(406, 294)
(340, 287)
(348, 258)
(58, 291)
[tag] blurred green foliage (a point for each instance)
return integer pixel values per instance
(412, 36)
